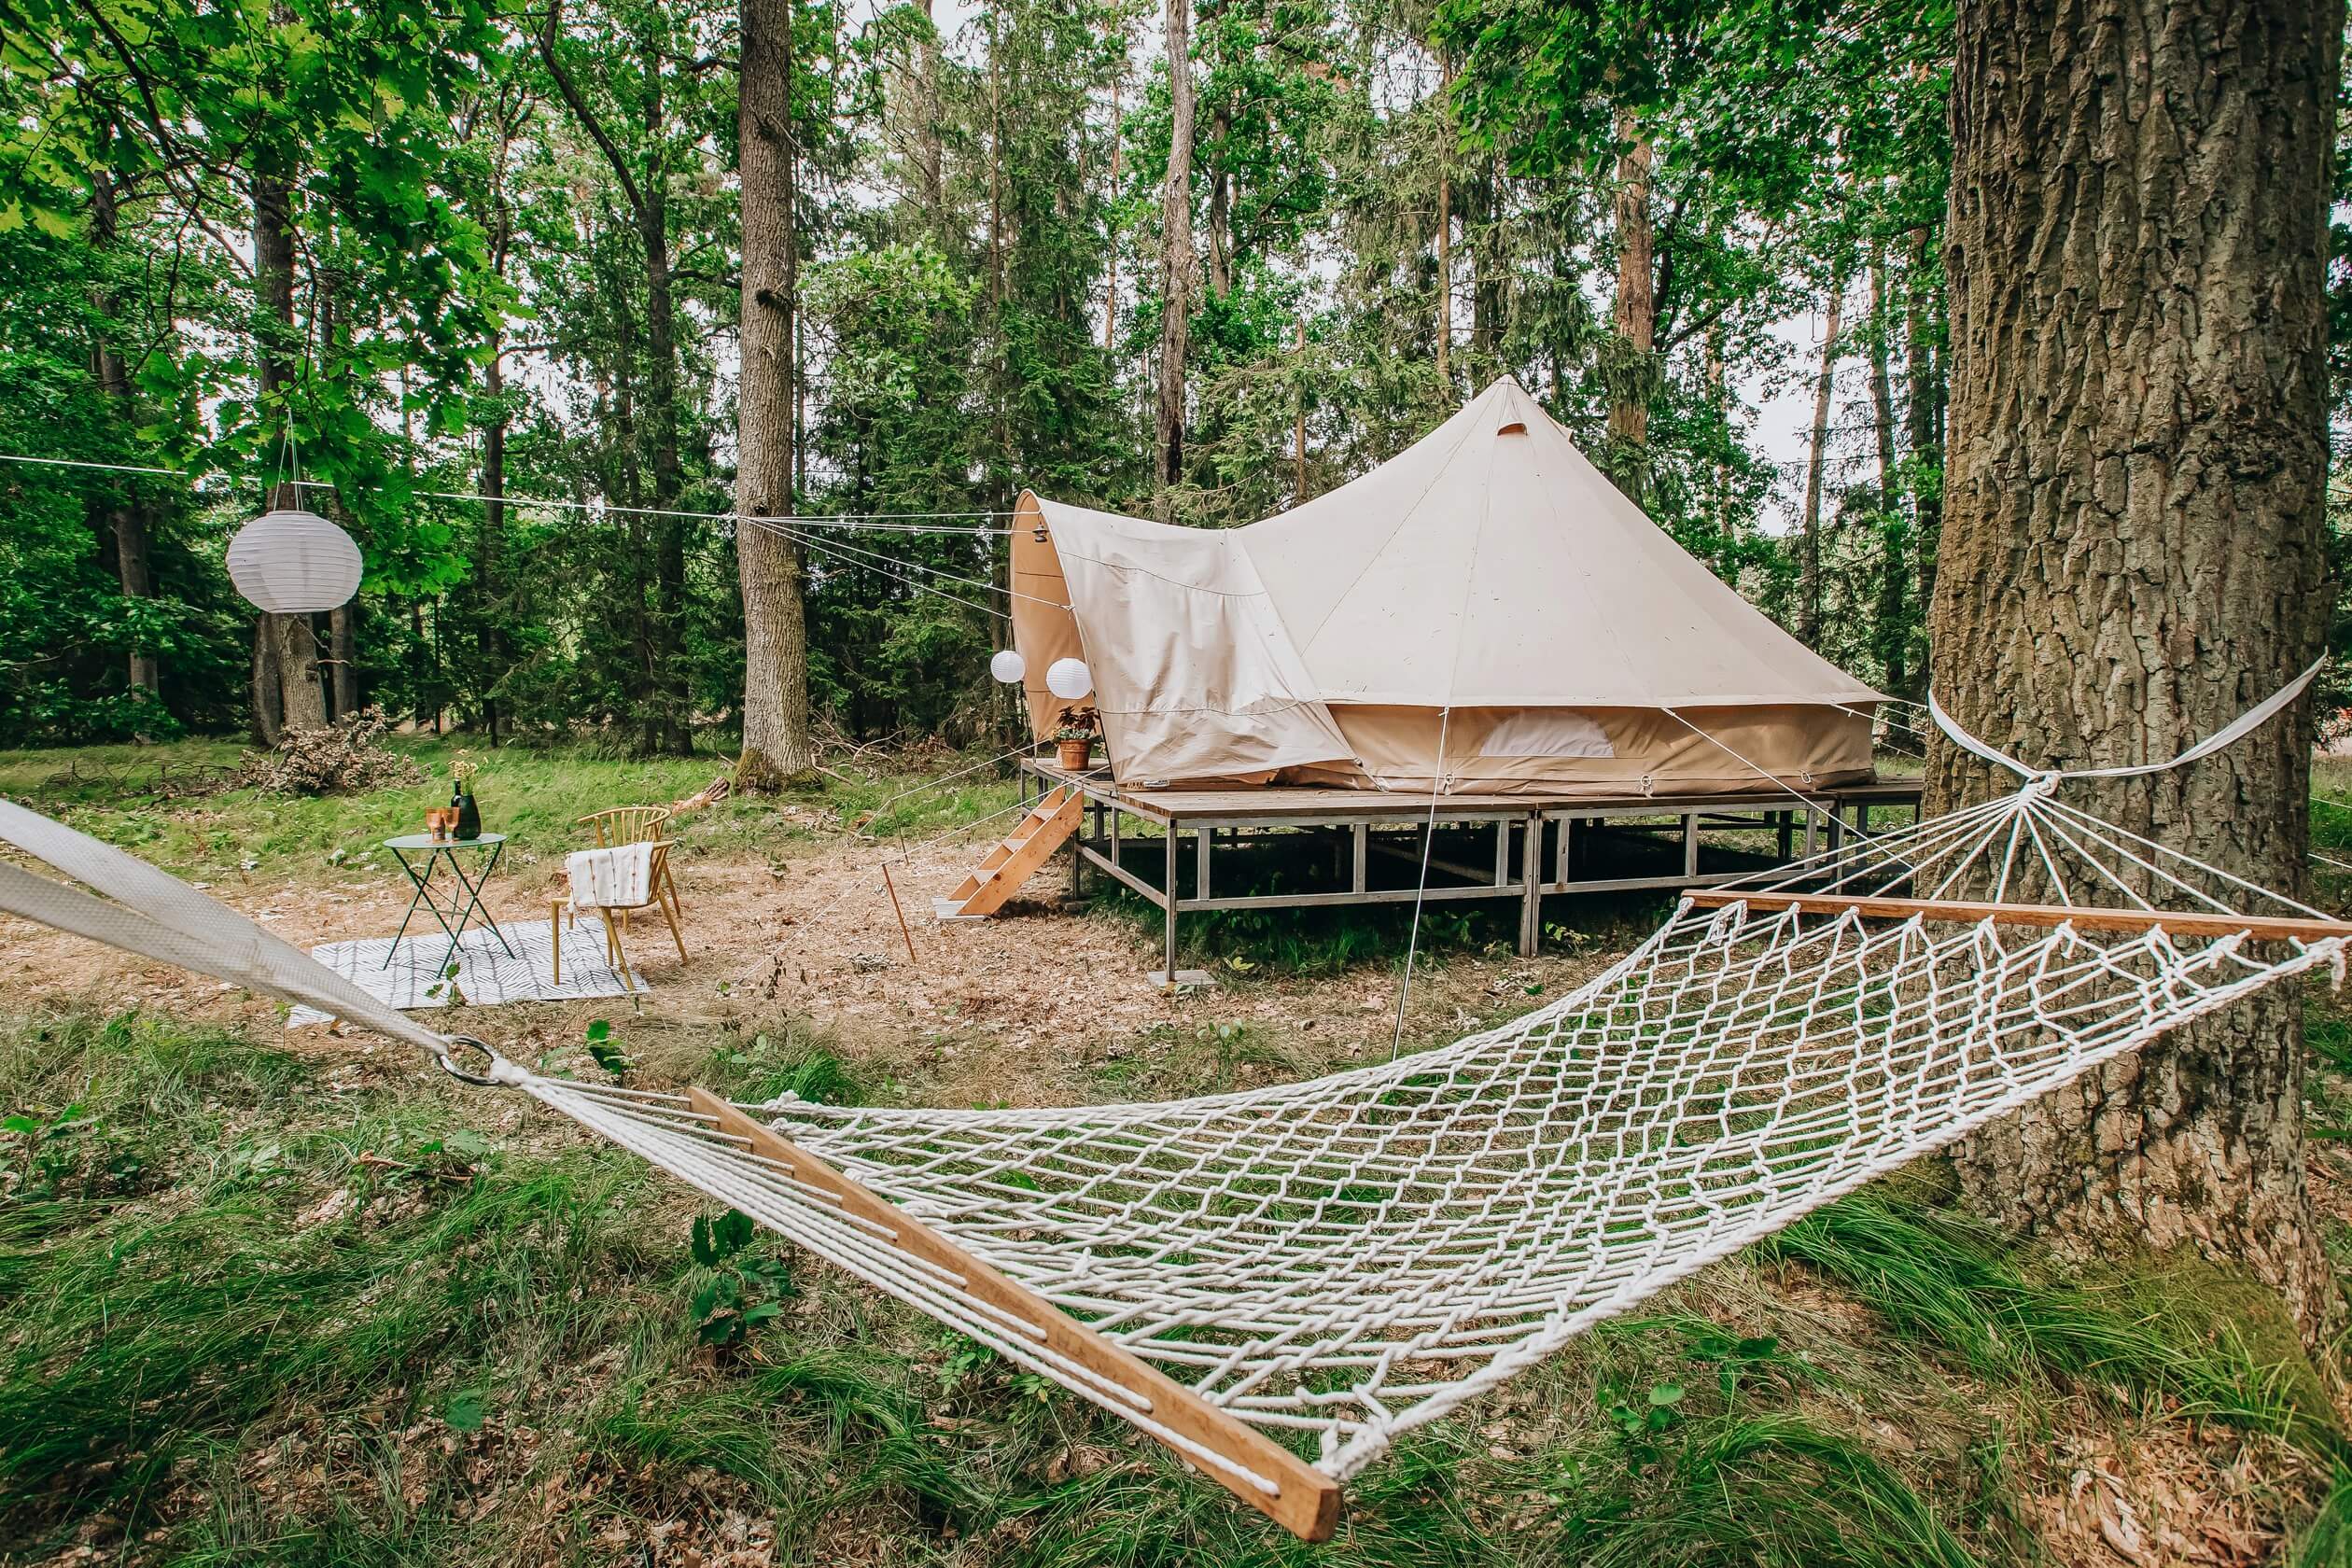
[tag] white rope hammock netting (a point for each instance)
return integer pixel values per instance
(1340, 1261)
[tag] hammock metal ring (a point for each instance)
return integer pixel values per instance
(483, 1080)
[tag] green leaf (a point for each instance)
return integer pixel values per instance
(1666, 1395)
(465, 1410)
(699, 1245)
(599, 1031)
(466, 1144)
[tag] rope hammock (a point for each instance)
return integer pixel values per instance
(1334, 1263)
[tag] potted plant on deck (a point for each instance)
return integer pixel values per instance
(1073, 742)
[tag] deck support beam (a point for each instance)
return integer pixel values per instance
(1674, 826)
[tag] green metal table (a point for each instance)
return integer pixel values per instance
(436, 850)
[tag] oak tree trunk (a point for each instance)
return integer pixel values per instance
(2131, 552)
(1894, 570)
(343, 641)
(125, 517)
(291, 652)
(1220, 209)
(494, 610)
(929, 152)
(1924, 416)
(1719, 407)
(1111, 229)
(775, 740)
(1445, 130)
(1179, 266)
(1636, 314)
(671, 707)
(265, 720)
(1445, 276)
(1490, 276)
(1817, 470)
(302, 690)
(490, 589)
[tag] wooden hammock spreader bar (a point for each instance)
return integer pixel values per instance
(2177, 922)
(1307, 1503)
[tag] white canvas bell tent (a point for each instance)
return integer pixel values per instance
(1485, 613)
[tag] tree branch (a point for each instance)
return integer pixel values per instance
(581, 111)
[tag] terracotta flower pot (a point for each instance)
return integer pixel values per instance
(1075, 755)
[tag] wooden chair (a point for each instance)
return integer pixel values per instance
(618, 826)
(560, 909)
(634, 824)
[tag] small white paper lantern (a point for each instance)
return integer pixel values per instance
(1008, 667)
(1069, 678)
(291, 562)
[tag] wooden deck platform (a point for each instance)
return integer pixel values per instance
(1520, 846)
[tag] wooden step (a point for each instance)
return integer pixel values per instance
(1004, 870)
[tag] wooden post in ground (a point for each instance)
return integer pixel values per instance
(1167, 971)
(891, 887)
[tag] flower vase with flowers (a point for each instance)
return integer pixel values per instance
(462, 769)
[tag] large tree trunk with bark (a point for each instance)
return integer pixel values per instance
(1220, 207)
(929, 154)
(1894, 570)
(1636, 314)
(1178, 267)
(490, 589)
(1817, 472)
(775, 740)
(1719, 409)
(125, 520)
(265, 716)
(1924, 417)
(1111, 226)
(283, 644)
(1448, 134)
(343, 638)
(663, 697)
(2131, 552)
(669, 727)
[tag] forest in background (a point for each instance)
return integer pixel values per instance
(501, 252)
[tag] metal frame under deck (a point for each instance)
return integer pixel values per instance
(1536, 839)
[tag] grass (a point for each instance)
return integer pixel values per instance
(1772, 1488)
(317, 1321)
(261, 1309)
(532, 793)
(321, 1322)
(2173, 1327)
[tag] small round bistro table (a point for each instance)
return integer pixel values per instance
(435, 850)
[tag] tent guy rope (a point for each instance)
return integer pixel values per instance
(1341, 1261)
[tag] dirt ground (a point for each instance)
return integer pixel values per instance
(1039, 1005)
(1044, 1006)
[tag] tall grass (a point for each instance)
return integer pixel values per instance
(1741, 1490)
(441, 1327)
(366, 1284)
(2174, 1326)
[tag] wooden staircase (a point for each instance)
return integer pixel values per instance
(1002, 871)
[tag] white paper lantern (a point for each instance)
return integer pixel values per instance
(1069, 678)
(1008, 667)
(291, 562)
